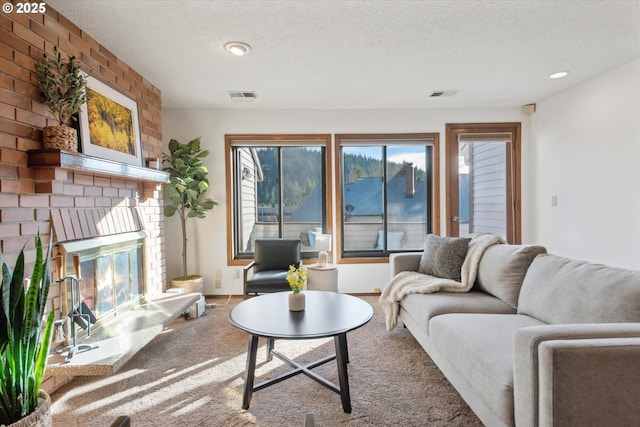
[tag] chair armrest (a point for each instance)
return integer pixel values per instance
(245, 276)
(246, 268)
(404, 261)
(577, 374)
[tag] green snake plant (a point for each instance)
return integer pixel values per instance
(25, 338)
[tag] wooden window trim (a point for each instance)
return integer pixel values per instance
(435, 194)
(275, 140)
(452, 131)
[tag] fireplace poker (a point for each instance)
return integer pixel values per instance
(76, 314)
(61, 323)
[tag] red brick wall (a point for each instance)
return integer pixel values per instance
(26, 194)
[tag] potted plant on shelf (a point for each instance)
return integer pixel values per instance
(25, 339)
(185, 195)
(63, 87)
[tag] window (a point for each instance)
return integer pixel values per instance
(280, 189)
(388, 193)
(483, 179)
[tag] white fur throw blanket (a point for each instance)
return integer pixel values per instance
(412, 282)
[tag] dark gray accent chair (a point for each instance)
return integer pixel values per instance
(271, 260)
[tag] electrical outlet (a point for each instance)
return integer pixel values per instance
(236, 274)
(218, 278)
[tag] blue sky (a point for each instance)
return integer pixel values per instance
(398, 154)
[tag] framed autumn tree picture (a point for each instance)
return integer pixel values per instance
(109, 126)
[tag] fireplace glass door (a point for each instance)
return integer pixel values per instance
(117, 279)
(112, 273)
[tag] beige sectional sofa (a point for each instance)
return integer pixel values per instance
(540, 340)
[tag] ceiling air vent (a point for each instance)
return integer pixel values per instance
(242, 96)
(439, 93)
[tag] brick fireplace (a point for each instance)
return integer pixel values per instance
(110, 248)
(34, 194)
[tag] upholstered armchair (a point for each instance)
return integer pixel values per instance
(268, 270)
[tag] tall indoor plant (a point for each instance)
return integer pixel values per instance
(185, 192)
(25, 339)
(63, 88)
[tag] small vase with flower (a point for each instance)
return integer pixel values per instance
(297, 279)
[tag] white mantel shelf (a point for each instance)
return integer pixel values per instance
(52, 158)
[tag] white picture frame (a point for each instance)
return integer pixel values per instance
(109, 125)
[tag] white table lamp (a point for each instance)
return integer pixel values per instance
(323, 245)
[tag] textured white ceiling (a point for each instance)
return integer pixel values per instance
(362, 54)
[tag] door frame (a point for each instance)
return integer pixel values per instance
(452, 206)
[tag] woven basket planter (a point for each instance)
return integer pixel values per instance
(60, 138)
(41, 417)
(194, 285)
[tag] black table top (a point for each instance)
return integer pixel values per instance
(326, 314)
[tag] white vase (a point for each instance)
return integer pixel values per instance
(296, 301)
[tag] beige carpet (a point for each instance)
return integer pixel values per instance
(192, 375)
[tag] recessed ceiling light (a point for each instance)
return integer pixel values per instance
(237, 48)
(559, 75)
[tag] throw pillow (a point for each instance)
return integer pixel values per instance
(443, 256)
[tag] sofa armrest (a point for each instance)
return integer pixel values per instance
(577, 374)
(590, 382)
(404, 261)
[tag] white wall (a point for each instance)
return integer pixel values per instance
(585, 149)
(207, 246)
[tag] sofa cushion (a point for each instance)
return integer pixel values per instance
(480, 348)
(562, 290)
(423, 307)
(502, 269)
(443, 256)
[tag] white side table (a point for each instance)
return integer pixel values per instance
(322, 278)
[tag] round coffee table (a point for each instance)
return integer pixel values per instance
(327, 314)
